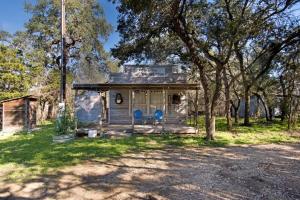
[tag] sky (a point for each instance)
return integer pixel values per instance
(13, 17)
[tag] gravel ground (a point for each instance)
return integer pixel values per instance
(244, 172)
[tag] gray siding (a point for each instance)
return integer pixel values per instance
(176, 113)
(88, 108)
(148, 74)
(119, 113)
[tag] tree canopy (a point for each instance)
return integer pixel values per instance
(209, 34)
(15, 75)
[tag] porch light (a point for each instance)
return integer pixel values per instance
(119, 98)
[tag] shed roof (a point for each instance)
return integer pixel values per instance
(31, 97)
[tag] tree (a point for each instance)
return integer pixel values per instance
(267, 30)
(201, 30)
(4, 36)
(288, 70)
(14, 74)
(86, 27)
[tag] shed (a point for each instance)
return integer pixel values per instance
(18, 114)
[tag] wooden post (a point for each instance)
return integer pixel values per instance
(148, 102)
(132, 109)
(164, 110)
(63, 69)
(109, 105)
(166, 104)
(75, 115)
(129, 104)
(196, 110)
(3, 116)
(101, 111)
(26, 117)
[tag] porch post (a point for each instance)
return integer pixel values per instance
(196, 110)
(75, 115)
(129, 104)
(148, 102)
(132, 109)
(101, 111)
(166, 104)
(164, 109)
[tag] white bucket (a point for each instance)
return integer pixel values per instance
(92, 133)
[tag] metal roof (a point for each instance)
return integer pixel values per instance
(31, 97)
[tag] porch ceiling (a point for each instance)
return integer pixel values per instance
(118, 86)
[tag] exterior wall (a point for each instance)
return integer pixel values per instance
(149, 74)
(176, 113)
(254, 107)
(18, 114)
(88, 108)
(14, 115)
(119, 113)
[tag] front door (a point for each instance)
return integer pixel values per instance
(156, 101)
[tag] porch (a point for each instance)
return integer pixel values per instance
(113, 129)
(124, 99)
(125, 130)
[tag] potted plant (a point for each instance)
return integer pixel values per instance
(64, 127)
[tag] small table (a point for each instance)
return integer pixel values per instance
(148, 119)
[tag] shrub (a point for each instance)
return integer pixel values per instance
(65, 123)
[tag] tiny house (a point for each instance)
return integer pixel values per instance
(139, 89)
(18, 114)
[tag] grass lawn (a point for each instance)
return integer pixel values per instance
(27, 155)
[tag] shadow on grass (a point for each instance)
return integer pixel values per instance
(257, 125)
(37, 154)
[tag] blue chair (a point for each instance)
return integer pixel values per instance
(138, 116)
(158, 115)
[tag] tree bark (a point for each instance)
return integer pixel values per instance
(227, 101)
(283, 103)
(236, 110)
(247, 107)
(50, 111)
(210, 130)
(264, 105)
(270, 113)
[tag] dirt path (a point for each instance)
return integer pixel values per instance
(256, 172)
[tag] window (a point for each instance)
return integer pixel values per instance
(149, 71)
(176, 99)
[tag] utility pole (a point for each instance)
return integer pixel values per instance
(63, 70)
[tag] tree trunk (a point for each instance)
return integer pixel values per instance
(270, 113)
(227, 101)
(247, 107)
(43, 104)
(212, 128)
(236, 116)
(283, 103)
(50, 111)
(209, 124)
(264, 105)
(236, 110)
(209, 109)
